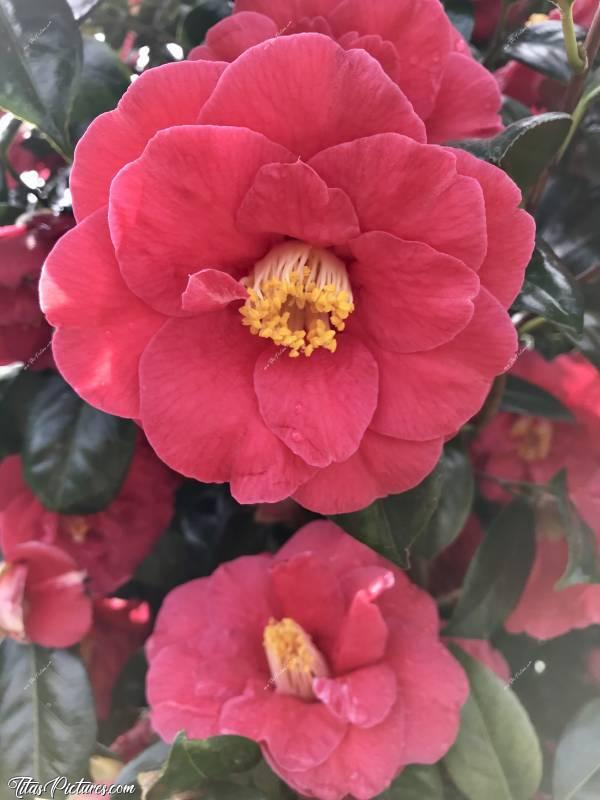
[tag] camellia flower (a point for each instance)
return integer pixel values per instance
(414, 42)
(24, 333)
(119, 628)
(325, 654)
(298, 309)
(534, 450)
(108, 545)
(42, 595)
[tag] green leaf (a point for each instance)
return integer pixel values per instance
(582, 566)
(525, 148)
(392, 525)
(577, 760)
(150, 759)
(542, 48)
(75, 457)
(9, 214)
(18, 389)
(497, 754)
(454, 506)
(523, 397)
(82, 8)
(416, 782)
(104, 79)
(47, 718)
(206, 14)
(512, 110)
(497, 574)
(39, 64)
(192, 763)
(551, 291)
(461, 15)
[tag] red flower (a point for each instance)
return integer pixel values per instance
(325, 654)
(119, 628)
(386, 262)
(414, 42)
(42, 595)
(534, 450)
(24, 333)
(108, 545)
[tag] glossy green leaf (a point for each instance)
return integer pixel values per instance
(416, 782)
(75, 457)
(18, 389)
(205, 14)
(589, 341)
(551, 291)
(512, 110)
(40, 61)
(525, 148)
(454, 506)
(583, 565)
(47, 717)
(104, 79)
(497, 755)
(497, 574)
(192, 763)
(577, 760)
(522, 397)
(542, 48)
(391, 526)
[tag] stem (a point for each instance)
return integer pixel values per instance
(578, 116)
(496, 43)
(532, 325)
(576, 54)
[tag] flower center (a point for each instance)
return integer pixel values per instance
(77, 528)
(293, 658)
(533, 438)
(299, 296)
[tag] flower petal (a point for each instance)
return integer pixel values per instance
(200, 413)
(410, 297)
(162, 97)
(105, 331)
(410, 190)
(381, 466)
(363, 698)
(281, 88)
(211, 289)
(230, 37)
(172, 212)
(424, 395)
(319, 406)
(472, 110)
(292, 200)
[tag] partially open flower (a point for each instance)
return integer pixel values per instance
(284, 284)
(108, 545)
(42, 595)
(325, 654)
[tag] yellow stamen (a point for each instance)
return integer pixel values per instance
(533, 438)
(535, 19)
(299, 296)
(78, 528)
(293, 658)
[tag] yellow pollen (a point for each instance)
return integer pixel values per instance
(78, 528)
(293, 658)
(533, 438)
(299, 296)
(535, 19)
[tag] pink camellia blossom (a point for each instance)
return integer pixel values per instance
(42, 595)
(520, 448)
(24, 333)
(119, 628)
(219, 237)
(414, 42)
(325, 654)
(108, 545)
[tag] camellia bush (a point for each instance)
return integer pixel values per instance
(299, 399)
